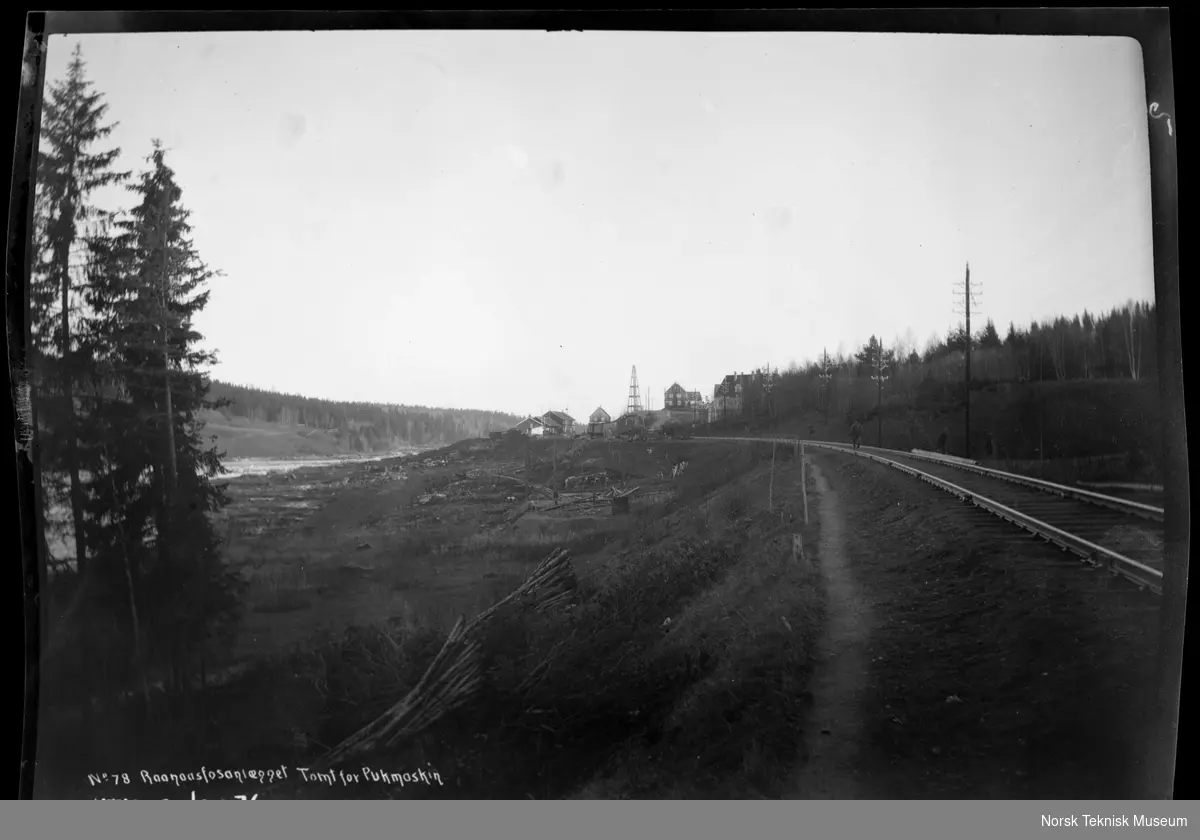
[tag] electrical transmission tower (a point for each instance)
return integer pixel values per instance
(634, 406)
(966, 298)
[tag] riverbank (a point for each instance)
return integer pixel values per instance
(61, 541)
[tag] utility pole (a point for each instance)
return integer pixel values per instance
(827, 379)
(879, 375)
(967, 297)
(849, 385)
(724, 402)
(771, 488)
(768, 394)
(1041, 417)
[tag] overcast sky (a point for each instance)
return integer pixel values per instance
(511, 220)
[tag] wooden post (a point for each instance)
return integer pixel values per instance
(804, 482)
(798, 555)
(967, 302)
(771, 489)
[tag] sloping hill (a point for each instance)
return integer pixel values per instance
(240, 437)
(255, 423)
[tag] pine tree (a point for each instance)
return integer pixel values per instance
(68, 172)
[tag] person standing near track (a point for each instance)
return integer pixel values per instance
(856, 433)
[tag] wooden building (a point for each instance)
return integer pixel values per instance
(600, 424)
(558, 423)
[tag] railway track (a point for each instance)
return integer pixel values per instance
(1120, 535)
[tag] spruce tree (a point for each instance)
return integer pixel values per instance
(68, 173)
(147, 286)
(988, 336)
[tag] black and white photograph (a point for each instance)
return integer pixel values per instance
(521, 414)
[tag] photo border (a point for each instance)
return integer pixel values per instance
(1149, 26)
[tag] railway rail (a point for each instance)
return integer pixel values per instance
(1123, 536)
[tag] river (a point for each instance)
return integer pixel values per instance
(62, 543)
(261, 466)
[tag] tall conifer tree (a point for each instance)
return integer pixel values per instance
(68, 173)
(148, 283)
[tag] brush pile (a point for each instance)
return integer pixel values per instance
(456, 675)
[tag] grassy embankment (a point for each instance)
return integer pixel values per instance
(347, 606)
(1000, 667)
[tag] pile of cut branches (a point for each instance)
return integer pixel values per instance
(456, 674)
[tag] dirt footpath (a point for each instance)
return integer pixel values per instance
(987, 666)
(842, 668)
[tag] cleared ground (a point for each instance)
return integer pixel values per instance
(355, 573)
(931, 653)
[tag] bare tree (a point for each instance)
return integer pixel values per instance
(1056, 337)
(1133, 340)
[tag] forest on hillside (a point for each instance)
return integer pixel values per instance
(371, 426)
(1119, 345)
(1070, 387)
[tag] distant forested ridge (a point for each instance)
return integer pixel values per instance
(361, 426)
(1066, 387)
